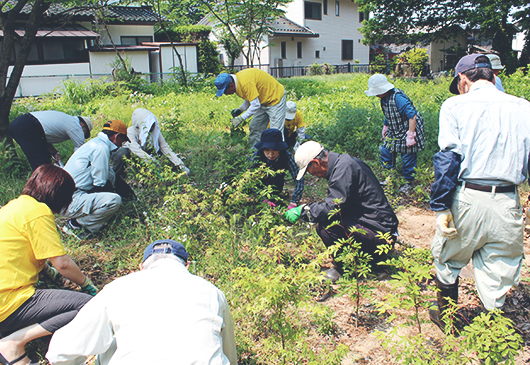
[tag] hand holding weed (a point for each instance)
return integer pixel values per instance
(410, 141)
(237, 121)
(88, 287)
(445, 224)
(236, 112)
(293, 215)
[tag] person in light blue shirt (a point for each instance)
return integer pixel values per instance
(496, 66)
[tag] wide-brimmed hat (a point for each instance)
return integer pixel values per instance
(304, 154)
(221, 82)
(116, 125)
(88, 122)
(290, 110)
(377, 85)
(166, 247)
(495, 61)
(467, 63)
(271, 138)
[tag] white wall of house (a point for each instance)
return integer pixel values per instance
(40, 79)
(100, 61)
(116, 31)
(518, 43)
(436, 55)
(169, 58)
(332, 29)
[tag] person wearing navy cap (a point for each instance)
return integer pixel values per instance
(160, 315)
(272, 151)
(484, 140)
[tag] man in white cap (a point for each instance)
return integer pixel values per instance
(496, 66)
(363, 203)
(264, 100)
(36, 132)
(484, 141)
(403, 127)
(160, 315)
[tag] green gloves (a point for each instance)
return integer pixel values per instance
(236, 112)
(88, 287)
(51, 272)
(293, 214)
(237, 121)
(445, 224)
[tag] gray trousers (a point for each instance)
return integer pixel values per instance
(93, 210)
(275, 114)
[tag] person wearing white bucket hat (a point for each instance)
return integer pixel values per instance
(496, 66)
(403, 130)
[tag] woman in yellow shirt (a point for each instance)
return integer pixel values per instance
(28, 238)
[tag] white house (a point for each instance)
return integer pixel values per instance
(81, 49)
(322, 31)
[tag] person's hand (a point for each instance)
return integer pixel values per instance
(236, 112)
(410, 141)
(57, 157)
(445, 224)
(292, 205)
(293, 214)
(384, 132)
(271, 204)
(51, 272)
(88, 287)
(237, 121)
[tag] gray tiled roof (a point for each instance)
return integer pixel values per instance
(284, 26)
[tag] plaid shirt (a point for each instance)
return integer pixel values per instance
(398, 125)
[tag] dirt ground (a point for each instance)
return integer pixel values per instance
(417, 227)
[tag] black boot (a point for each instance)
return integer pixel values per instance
(445, 291)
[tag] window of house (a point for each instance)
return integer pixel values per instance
(317, 54)
(313, 10)
(337, 8)
(363, 16)
(284, 50)
(347, 49)
(299, 50)
(325, 4)
(134, 40)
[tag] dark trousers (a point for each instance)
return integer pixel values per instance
(29, 134)
(50, 308)
(368, 240)
(388, 160)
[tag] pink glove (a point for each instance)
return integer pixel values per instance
(383, 133)
(292, 205)
(271, 204)
(410, 138)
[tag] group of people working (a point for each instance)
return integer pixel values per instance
(484, 143)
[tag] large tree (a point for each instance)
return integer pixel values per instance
(411, 20)
(242, 24)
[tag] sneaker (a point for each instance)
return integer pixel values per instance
(78, 232)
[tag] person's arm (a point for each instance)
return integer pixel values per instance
(53, 151)
(255, 105)
(245, 105)
(227, 332)
(134, 146)
(89, 333)
(68, 268)
(100, 161)
(167, 151)
(77, 136)
(299, 184)
(446, 170)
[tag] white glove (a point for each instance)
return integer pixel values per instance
(445, 224)
(297, 144)
(410, 141)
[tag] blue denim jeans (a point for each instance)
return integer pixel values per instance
(388, 160)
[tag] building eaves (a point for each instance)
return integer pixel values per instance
(284, 27)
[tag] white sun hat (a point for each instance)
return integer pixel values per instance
(377, 85)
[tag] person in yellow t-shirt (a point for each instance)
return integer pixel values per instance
(264, 99)
(294, 131)
(28, 238)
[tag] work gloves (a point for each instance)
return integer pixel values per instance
(383, 133)
(293, 214)
(291, 206)
(88, 287)
(236, 112)
(410, 141)
(445, 224)
(237, 121)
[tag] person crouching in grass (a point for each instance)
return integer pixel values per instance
(272, 151)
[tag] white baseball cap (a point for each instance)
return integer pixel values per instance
(495, 62)
(377, 85)
(304, 154)
(290, 110)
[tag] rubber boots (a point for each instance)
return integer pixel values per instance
(445, 291)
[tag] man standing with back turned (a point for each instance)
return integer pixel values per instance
(484, 143)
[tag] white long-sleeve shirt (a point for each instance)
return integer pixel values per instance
(161, 315)
(59, 127)
(490, 130)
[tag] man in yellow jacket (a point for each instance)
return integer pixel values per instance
(264, 99)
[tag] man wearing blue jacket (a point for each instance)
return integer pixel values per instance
(484, 143)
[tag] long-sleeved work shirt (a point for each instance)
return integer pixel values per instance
(59, 127)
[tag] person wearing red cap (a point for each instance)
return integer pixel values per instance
(94, 201)
(484, 141)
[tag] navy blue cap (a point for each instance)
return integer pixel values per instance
(221, 82)
(467, 63)
(271, 138)
(166, 247)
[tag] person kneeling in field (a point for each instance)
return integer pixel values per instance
(272, 152)
(160, 315)
(146, 141)
(363, 203)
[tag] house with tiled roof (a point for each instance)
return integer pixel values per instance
(81, 47)
(322, 31)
